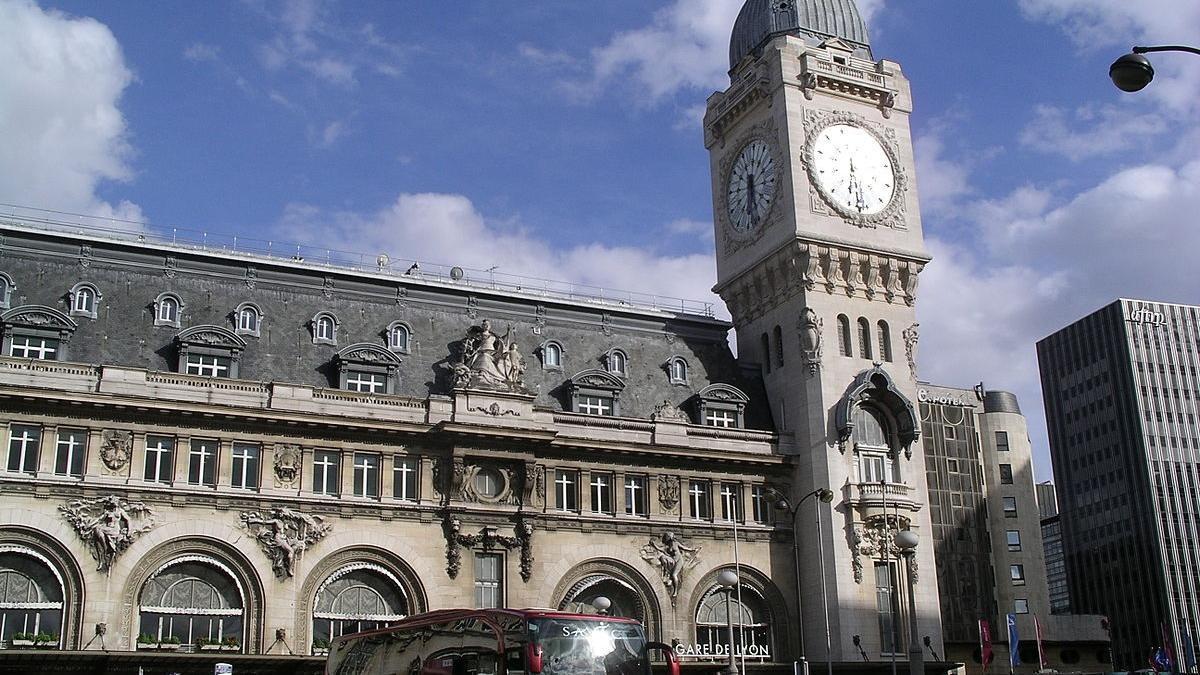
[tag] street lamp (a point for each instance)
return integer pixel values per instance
(1133, 71)
(729, 580)
(781, 502)
(906, 541)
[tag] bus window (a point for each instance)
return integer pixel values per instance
(514, 660)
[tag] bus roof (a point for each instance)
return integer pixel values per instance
(492, 615)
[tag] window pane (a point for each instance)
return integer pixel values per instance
(202, 462)
(635, 495)
(1006, 474)
(1014, 540)
(489, 580)
(245, 466)
(71, 449)
(404, 478)
(160, 460)
(366, 475)
(326, 472)
(23, 442)
(566, 495)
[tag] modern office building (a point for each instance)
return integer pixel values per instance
(1121, 388)
(1056, 564)
(987, 530)
(207, 443)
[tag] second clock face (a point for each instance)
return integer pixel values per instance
(853, 170)
(751, 186)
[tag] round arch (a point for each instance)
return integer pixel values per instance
(600, 575)
(224, 558)
(62, 565)
(761, 585)
(390, 566)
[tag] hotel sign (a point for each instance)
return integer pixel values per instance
(1147, 317)
(960, 400)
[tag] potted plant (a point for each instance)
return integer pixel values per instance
(208, 644)
(22, 640)
(146, 641)
(231, 644)
(45, 640)
(320, 647)
(169, 643)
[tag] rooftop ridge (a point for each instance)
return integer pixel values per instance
(184, 240)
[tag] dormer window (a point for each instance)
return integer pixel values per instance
(616, 361)
(6, 288)
(84, 299)
(677, 370)
(37, 332)
(723, 406)
(596, 392)
(367, 369)
(552, 355)
(324, 328)
(248, 319)
(399, 337)
(208, 351)
(167, 309)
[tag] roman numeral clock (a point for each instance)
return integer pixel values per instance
(853, 169)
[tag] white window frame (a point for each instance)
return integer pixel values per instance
(207, 451)
(365, 382)
(591, 404)
(7, 286)
(164, 301)
(329, 472)
(85, 300)
(324, 328)
(566, 490)
(489, 592)
(47, 348)
(637, 497)
(27, 456)
(396, 328)
(722, 419)
(677, 370)
(553, 355)
(602, 501)
(617, 362)
(73, 449)
(163, 460)
(246, 466)
(700, 500)
(207, 365)
(366, 466)
(404, 469)
(243, 326)
(731, 502)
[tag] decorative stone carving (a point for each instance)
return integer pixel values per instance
(911, 336)
(673, 559)
(489, 361)
(287, 463)
(533, 485)
(284, 534)
(327, 288)
(494, 410)
(668, 412)
(472, 306)
(251, 277)
(668, 491)
(488, 538)
(870, 540)
(170, 267)
(116, 447)
(106, 525)
(810, 339)
(85, 255)
(401, 296)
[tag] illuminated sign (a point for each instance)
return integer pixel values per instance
(960, 400)
(714, 651)
(1147, 317)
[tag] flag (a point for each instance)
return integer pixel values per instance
(1189, 651)
(1159, 661)
(1168, 647)
(1037, 629)
(1014, 642)
(985, 643)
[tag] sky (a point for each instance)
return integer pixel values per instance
(562, 140)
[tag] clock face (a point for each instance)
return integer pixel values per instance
(852, 169)
(751, 186)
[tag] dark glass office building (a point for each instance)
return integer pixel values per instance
(1121, 388)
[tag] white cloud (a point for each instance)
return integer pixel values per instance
(543, 57)
(64, 134)
(447, 229)
(201, 51)
(1090, 132)
(941, 181)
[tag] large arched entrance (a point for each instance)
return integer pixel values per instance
(628, 591)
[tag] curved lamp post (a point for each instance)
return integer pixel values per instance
(728, 580)
(1133, 71)
(781, 502)
(906, 541)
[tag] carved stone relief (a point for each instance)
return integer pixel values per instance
(284, 534)
(673, 559)
(487, 539)
(911, 337)
(870, 539)
(116, 447)
(668, 492)
(668, 412)
(106, 525)
(811, 326)
(534, 485)
(287, 464)
(489, 361)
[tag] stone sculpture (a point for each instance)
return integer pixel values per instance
(284, 534)
(488, 538)
(668, 491)
(116, 447)
(489, 361)
(106, 525)
(672, 558)
(911, 336)
(810, 338)
(287, 463)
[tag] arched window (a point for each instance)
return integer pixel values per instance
(677, 368)
(751, 621)
(552, 355)
(167, 309)
(399, 337)
(872, 446)
(324, 328)
(626, 601)
(617, 362)
(31, 596)
(885, 341)
(85, 299)
(6, 288)
(864, 338)
(766, 351)
(195, 599)
(778, 335)
(358, 597)
(248, 319)
(844, 336)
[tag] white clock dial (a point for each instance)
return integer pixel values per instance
(751, 186)
(852, 169)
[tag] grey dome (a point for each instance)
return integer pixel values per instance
(760, 20)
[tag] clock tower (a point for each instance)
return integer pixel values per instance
(819, 249)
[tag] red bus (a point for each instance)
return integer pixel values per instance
(499, 642)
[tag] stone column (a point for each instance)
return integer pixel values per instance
(425, 491)
(137, 458)
(347, 489)
(46, 449)
(387, 476)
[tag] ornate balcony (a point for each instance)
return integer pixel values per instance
(871, 498)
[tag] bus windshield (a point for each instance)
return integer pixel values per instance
(582, 647)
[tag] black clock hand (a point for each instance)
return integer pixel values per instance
(750, 198)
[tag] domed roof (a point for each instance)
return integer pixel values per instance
(819, 19)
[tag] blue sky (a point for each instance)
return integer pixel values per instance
(562, 139)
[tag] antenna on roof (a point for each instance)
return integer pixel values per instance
(456, 273)
(383, 260)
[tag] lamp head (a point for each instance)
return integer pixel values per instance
(857, 640)
(727, 578)
(601, 604)
(825, 495)
(907, 540)
(1131, 72)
